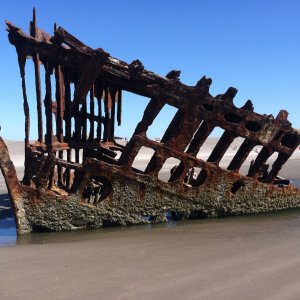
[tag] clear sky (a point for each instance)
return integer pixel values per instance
(251, 45)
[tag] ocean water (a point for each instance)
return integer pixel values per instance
(8, 235)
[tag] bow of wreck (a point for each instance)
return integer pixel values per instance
(73, 177)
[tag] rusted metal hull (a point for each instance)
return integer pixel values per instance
(140, 198)
(72, 178)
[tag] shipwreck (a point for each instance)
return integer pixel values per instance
(73, 177)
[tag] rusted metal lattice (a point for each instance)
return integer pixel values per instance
(72, 177)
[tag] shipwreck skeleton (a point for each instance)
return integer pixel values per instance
(72, 178)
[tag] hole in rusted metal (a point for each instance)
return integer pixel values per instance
(40, 228)
(233, 118)
(72, 89)
(210, 143)
(253, 126)
(230, 152)
(134, 103)
(164, 117)
(272, 158)
(142, 158)
(111, 223)
(198, 214)
(72, 127)
(290, 140)
(148, 218)
(54, 124)
(97, 189)
(173, 215)
(118, 154)
(236, 186)
(250, 157)
(201, 178)
(168, 168)
(53, 86)
(192, 175)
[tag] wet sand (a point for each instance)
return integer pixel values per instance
(252, 257)
(249, 257)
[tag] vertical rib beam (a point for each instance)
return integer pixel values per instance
(197, 141)
(228, 137)
(67, 116)
(199, 138)
(78, 119)
(36, 61)
(152, 110)
(119, 107)
(177, 137)
(99, 91)
(261, 159)
(38, 96)
(48, 106)
(92, 114)
(77, 156)
(156, 163)
(99, 122)
(49, 124)
(68, 171)
(173, 127)
(22, 61)
(84, 120)
(107, 106)
(77, 115)
(277, 165)
(112, 92)
(246, 146)
(157, 160)
(25, 101)
(241, 155)
(60, 100)
(219, 150)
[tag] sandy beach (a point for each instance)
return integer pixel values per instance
(249, 257)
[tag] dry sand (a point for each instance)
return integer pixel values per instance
(250, 257)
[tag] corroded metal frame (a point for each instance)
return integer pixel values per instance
(72, 178)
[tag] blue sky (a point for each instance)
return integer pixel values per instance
(251, 45)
